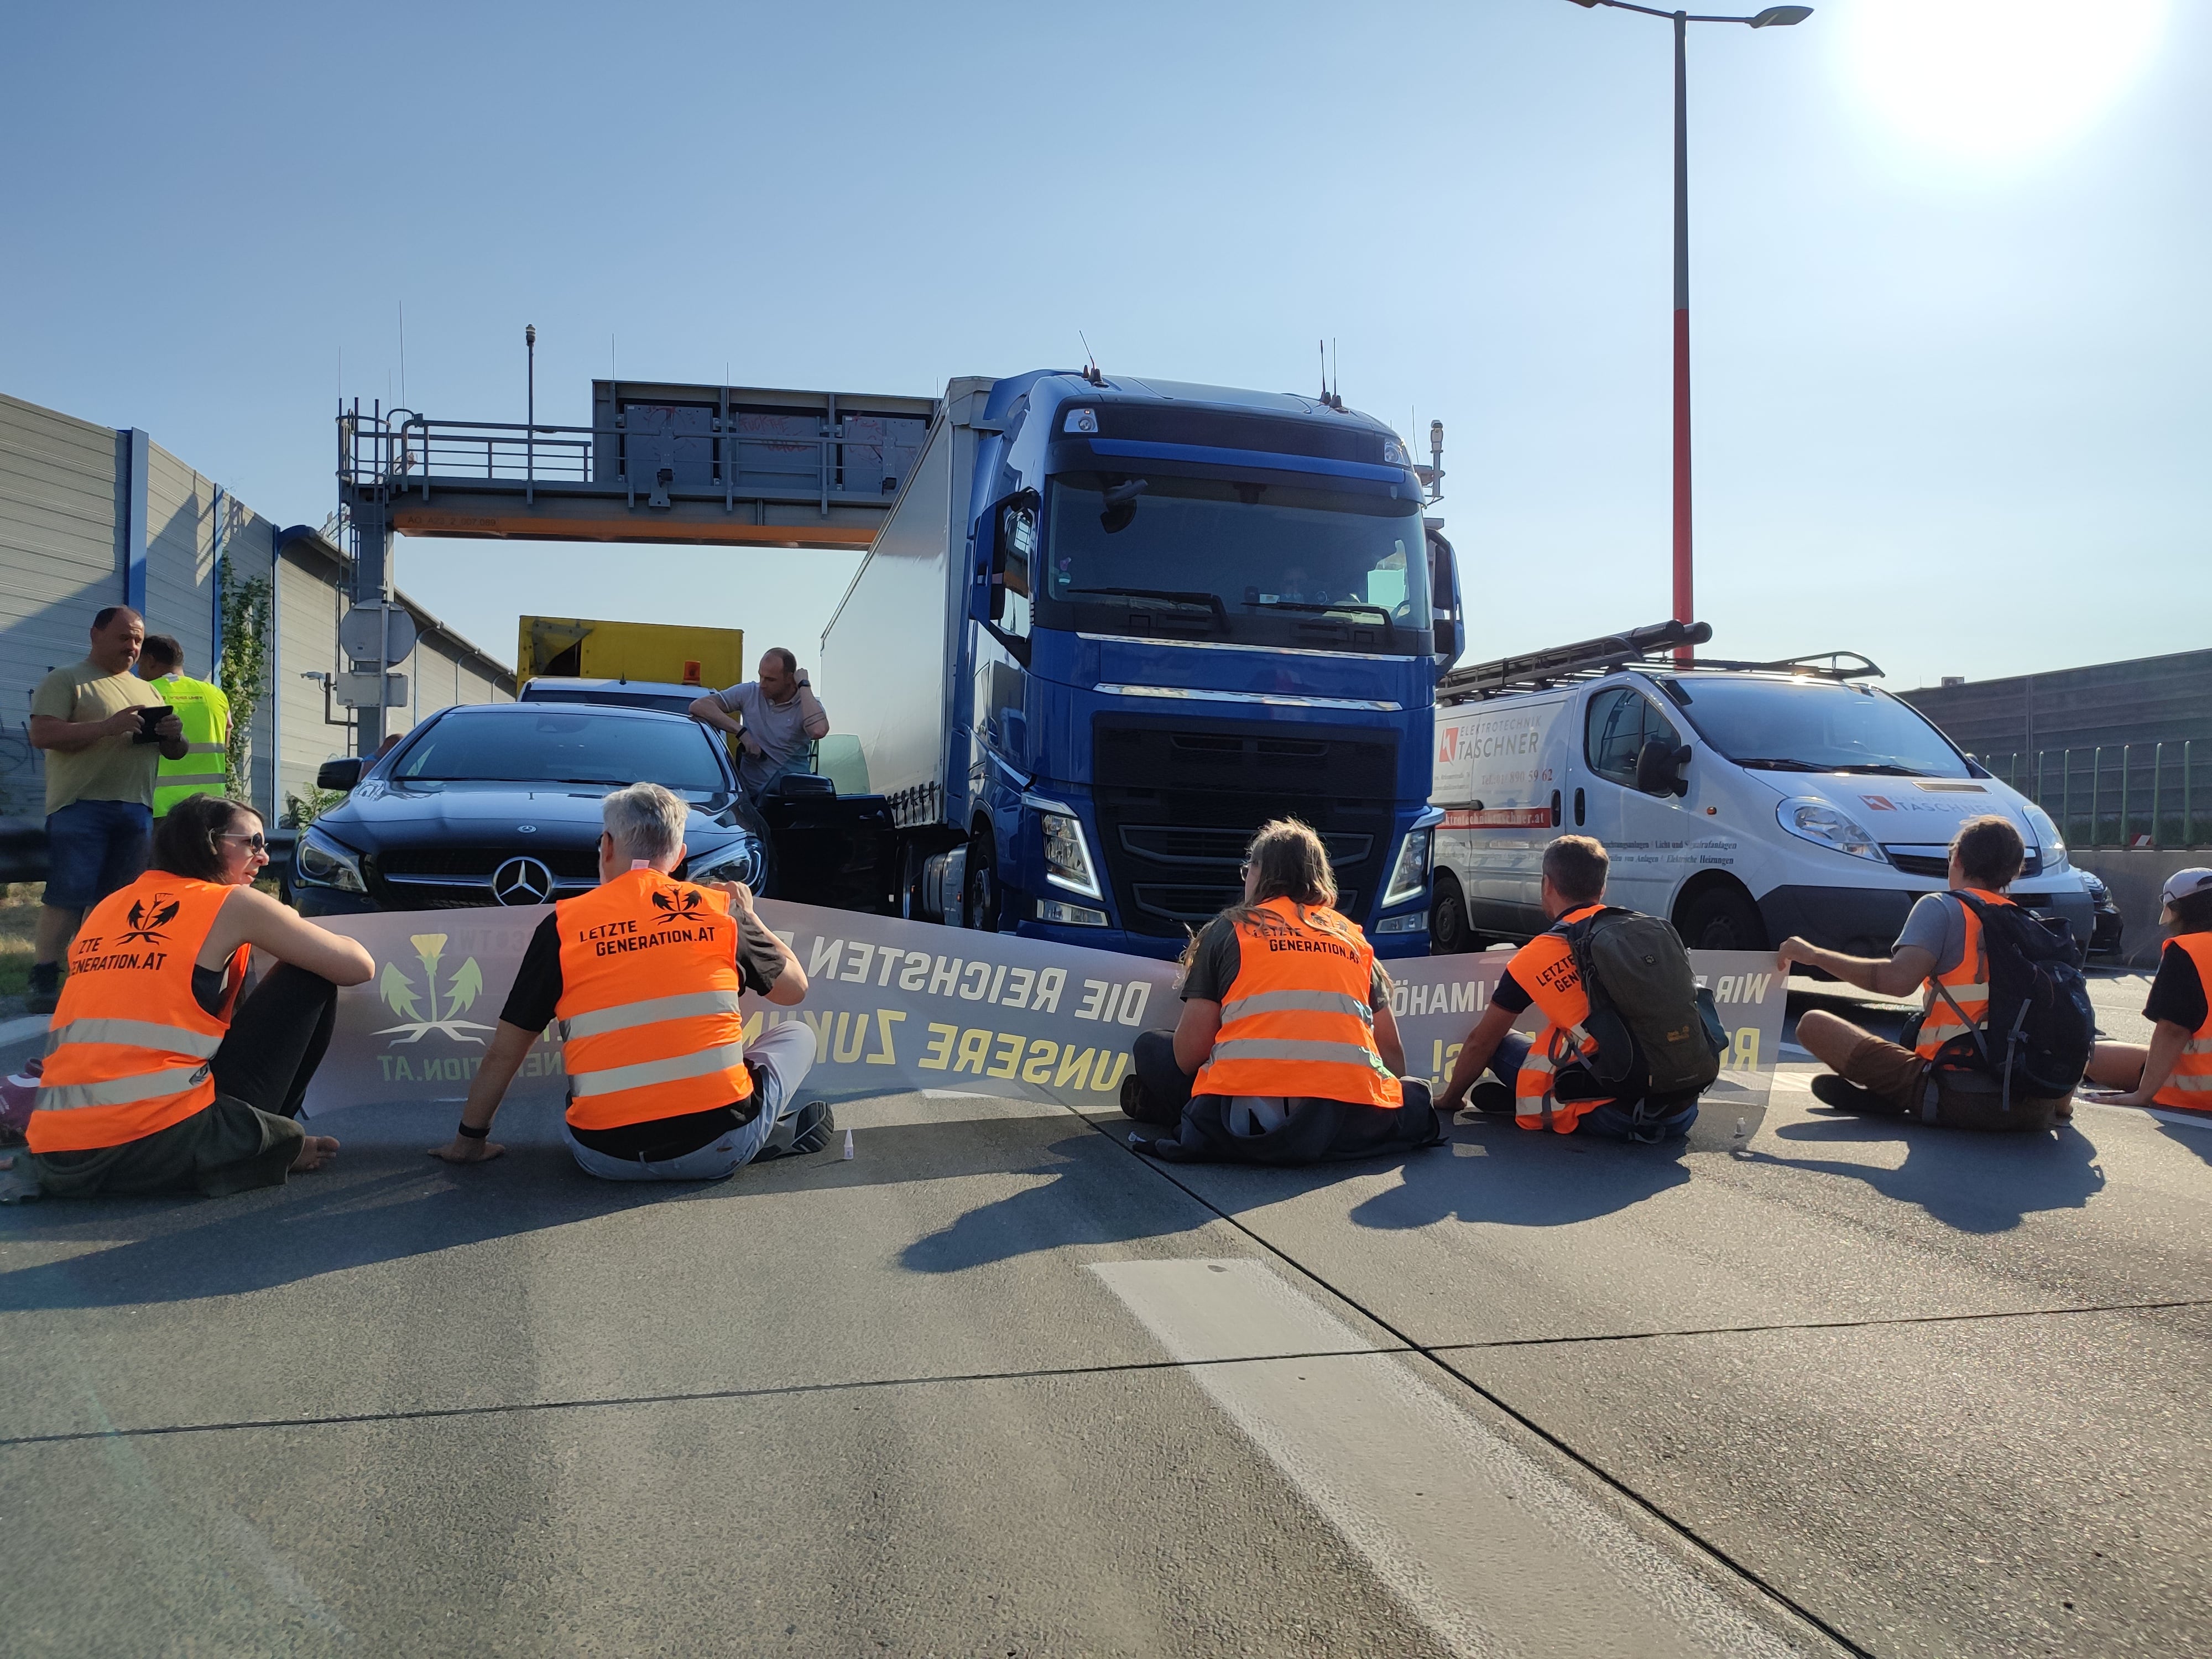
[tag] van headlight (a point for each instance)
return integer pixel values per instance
(740, 861)
(321, 862)
(1410, 879)
(1066, 855)
(2052, 843)
(1817, 821)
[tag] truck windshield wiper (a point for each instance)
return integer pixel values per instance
(1389, 625)
(1173, 596)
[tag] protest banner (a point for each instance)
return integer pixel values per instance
(898, 1006)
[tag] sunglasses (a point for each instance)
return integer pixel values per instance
(254, 839)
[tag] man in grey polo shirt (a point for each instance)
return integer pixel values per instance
(773, 718)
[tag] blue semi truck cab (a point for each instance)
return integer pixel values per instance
(1111, 626)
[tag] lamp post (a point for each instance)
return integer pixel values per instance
(1773, 17)
(530, 418)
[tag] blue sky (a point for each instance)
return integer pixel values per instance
(1948, 273)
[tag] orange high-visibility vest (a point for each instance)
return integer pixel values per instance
(2190, 1086)
(1295, 1021)
(1544, 969)
(648, 1010)
(129, 1047)
(1968, 984)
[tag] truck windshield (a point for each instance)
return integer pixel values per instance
(1263, 562)
(561, 744)
(1790, 725)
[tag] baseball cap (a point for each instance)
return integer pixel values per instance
(2183, 883)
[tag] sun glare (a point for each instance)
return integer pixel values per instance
(1998, 79)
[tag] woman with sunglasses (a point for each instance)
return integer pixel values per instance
(159, 1076)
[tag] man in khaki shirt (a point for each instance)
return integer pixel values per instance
(101, 759)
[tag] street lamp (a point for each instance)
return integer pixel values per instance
(530, 415)
(1773, 17)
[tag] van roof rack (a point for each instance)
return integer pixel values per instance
(1582, 660)
(1588, 659)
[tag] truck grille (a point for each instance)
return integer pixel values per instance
(1176, 806)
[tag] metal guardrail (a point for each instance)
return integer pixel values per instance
(2126, 794)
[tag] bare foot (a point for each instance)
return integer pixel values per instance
(315, 1152)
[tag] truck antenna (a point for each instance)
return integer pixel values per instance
(1090, 361)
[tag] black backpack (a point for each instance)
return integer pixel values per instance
(2040, 1028)
(1648, 1012)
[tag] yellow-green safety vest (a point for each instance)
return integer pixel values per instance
(204, 712)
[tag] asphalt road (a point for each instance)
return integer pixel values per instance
(997, 1386)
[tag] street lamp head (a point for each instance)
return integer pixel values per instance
(530, 334)
(1780, 16)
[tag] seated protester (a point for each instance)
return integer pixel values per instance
(1286, 1052)
(158, 1077)
(1553, 1086)
(1942, 954)
(2174, 1071)
(644, 973)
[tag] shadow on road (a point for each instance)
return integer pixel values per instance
(2198, 1141)
(1976, 1182)
(1523, 1179)
(1090, 1199)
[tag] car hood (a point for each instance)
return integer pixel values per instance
(380, 815)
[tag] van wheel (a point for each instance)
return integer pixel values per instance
(1448, 933)
(1720, 919)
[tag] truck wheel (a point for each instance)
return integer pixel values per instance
(981, 901)
(1720, 919)
(1449, 933)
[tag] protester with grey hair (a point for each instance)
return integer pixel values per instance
(776, 717)
(644, 974)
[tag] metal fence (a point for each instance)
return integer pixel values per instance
(2125, 795)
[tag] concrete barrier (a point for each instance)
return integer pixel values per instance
(2135, 875)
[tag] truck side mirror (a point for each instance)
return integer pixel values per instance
(1443, 600)
(1659, 767)
(1005, 534)
(339, 774)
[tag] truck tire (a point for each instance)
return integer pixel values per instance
(980, 899)
(1448, 932)
(1721, 917)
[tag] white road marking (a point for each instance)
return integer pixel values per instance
(29, 1025)
(1490, 1548)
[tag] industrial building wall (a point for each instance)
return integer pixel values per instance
(180, 537)
(58, 564)
(2147, 700)
(307, 610)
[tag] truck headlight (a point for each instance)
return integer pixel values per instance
(1067, 855)
(1817, 821)
(740, 861)
(1410, 879)
(321, 862)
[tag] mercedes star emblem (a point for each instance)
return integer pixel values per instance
(522, 881)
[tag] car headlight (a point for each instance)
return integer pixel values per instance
(740, 861)
(321, 862)
(2047, 836)
(1817, 821)
(2093, 885)
(1410, 879)
(1067, 855)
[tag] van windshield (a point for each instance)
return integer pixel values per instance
(1817, 726)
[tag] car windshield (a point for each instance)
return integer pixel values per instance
(1797, 725)
(561, 744)
(1234, 556)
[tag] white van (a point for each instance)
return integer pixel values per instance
(1744, 803)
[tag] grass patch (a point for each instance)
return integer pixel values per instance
(19, 916)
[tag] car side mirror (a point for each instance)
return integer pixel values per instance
(1659, 767)
(339, 774)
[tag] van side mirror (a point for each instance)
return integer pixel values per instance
(1659, 767)
(339, 774)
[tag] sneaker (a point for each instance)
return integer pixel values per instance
(1847, 1096)
(816, 1123)
(43, 994)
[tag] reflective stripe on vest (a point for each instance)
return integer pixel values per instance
(204, 712)
(1968, 982)
(1544, 969)
(1295, 1022)
(128, 1050)
(2190, 1086)
(649, 1007)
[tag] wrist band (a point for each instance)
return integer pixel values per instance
(467, 1134)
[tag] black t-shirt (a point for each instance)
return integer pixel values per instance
(533, 1003)
(2178, 992)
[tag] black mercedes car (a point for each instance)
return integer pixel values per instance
(498, 803)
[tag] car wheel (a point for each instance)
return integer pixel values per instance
(1720, 919)
(1449, 933)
